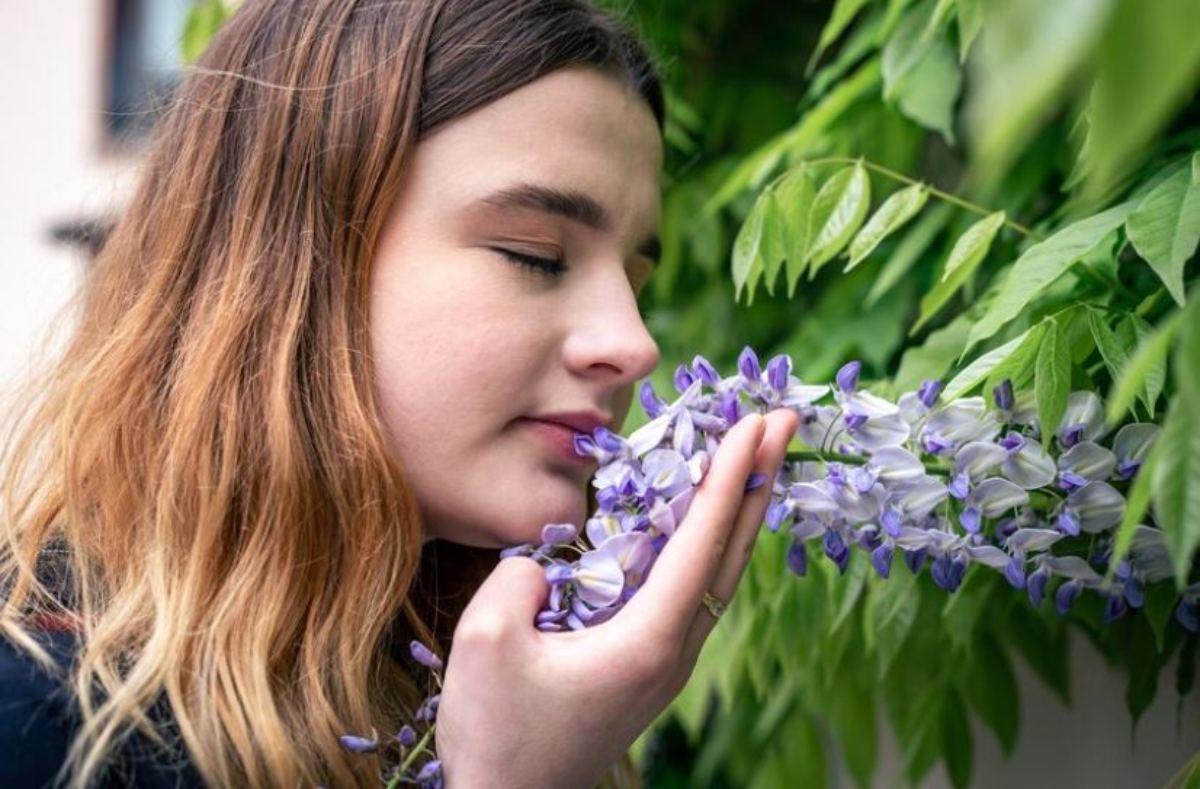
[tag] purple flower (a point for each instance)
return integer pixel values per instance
(947, 571)
(914, 560)
(1014, 573)
(683, 378)
(1114, 608)
(559, 533)
(1004, 395)
(747, 364)
(406, 736)
(423, 655)
(1066, 595)
(705, 371)
(356, 744)
(837, 550)
(929, 392)
(756, 480)
(652, 404)
(847, 376)
(1035, 586)
(1083, 420)
(881, 560)
(797, 558)
(778, 370)
(1187, 614)
(1130, 446)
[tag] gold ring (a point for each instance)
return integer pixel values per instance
(715, 607)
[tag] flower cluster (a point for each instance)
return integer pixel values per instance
(402, 751)
(937, 483)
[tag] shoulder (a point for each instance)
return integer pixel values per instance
(35, 714)
(39, 719)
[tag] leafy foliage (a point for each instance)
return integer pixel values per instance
(1010, 225)
(1036, 182)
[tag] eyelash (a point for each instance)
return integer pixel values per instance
(546, 266)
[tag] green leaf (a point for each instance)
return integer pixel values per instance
(775, 240)
(794, 194)
(802, 751)
(1156, 376)
(1143, 665)
(905, 48)
(203, 21)
(889, 615)
(973, 245)
(933, 358)
(909, 250)
(1176, 484)
(1165, 228)
(963, 611)
(956, 739)
(1177, 473)
(847, 589)
(1115, 357)
(970, 20)
(843, 14)
(977, 371)
(1052, 381)
(1151, 353)
(1159, 606)
(1021, 365)
(1136, 504)
(837, 211)
(991, 689)
(891, 215)
(1027, 57)
(1148, 68)
(965, 256)
(747, 247)
(852, 716)
(1043, 263)
(1044, 645)
(929, 91)
(752, 171)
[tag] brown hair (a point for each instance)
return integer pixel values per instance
(199, 482)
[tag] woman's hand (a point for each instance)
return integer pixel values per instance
(525, 708)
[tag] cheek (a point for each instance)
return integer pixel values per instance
(455, 353)
(456, 362)
(450, 347)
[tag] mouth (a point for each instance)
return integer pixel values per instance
(556, 438)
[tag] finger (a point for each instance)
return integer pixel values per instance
(781, 426)
(667, 601)
(512, 594)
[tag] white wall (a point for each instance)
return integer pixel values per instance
(52, 163)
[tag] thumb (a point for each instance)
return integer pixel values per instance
(513, 592)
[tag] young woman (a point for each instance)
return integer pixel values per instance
(383, 256)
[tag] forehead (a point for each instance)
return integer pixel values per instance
(573, 129)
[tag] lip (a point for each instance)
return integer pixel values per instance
(583, 421)
(558, 431)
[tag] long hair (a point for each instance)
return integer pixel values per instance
(199, 481)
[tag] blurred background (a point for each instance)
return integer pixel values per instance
(997, 108)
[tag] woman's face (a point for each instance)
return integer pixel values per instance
(470, 346)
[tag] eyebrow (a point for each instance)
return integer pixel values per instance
(572, 204)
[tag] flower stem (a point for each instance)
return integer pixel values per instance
(408, 760)
(853, 460)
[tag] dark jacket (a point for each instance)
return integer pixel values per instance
(38, 720)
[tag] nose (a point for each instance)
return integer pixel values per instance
(608, 340)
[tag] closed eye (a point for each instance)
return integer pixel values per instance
(547, 266)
